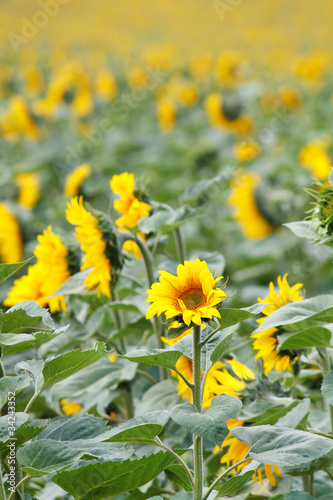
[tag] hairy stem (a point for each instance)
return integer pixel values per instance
(197, 398)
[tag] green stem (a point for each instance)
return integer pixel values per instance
(180, 460)
(118, 322)
(147, 376)
(326, 366)
(207, 339)
(218, 479)
(127, 393)
(2, 488)
(11, 496)
(197, 397)
(19, 494)
(180, 245)
(148, 260)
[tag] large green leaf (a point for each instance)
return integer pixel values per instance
(159, 357)
(177, 474)
(138, 326)
(231, 317)
(12, 384)
(141, 429)
(82, 427)
(165, 221)
(294, 495)
(196, 193)
(270, 415)
(26, 317)
(18, 342)
(281, 445)
(234, 484)
(100, 480)
(74, 285)
(314, 336)
(327, 387)
(161, 396)
(318, 308)
(22, 434)
(211, 424)
(7, 270)
(302, 229)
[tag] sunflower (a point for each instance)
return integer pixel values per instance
(29, 189)
(230, 68)
(105, 84)
(45, 277)
(265, 342)
(240, 123)
(70, 408)
(246, 150)
(75, 179)
(235, 450)
(16, 121)
(247, 214)
(190, 296)
(166, 114)
(11, 246)
(314, 157)
(131, 207)
(92, 244)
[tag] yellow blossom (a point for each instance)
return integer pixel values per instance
(29, 189)
(75, 179)
(11, 246)
(314, 157)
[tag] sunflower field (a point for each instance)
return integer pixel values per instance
(166, 250)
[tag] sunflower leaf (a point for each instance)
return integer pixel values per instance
(176, 331)
(231, 317)
(316, 336)
(7, 270)
(165, 221)
(211, 424)
(159, 357)
(327, 387)
(26, 317)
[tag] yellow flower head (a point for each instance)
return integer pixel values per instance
(218, 380)
(241, 123)
(131, 208)
(166, 114)
(29, 189)
(70, 408)
(235, 450)
(16, 121)
(290, 96)
(265, 342)
(106, 86)
(314, 157)
(92, 244)
(229, 69)
(246, 150)
(75, 179)
(191, 295)
(246, 211)
(45, 277)
(11, 246)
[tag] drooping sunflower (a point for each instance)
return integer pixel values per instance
(246, 212)
(131, 207)
(11, 246)
(235, 450)
(75, 179)
(17, 121)
(265, 342)
(93, 246)
(233, 119)
(45, 277)
(29, 189)
(314, 157)
(191, 296)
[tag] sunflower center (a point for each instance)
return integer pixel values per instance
(193, 298)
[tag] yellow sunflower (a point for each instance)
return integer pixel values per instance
(75, 179)
(131, 208)
(166, 114)
(246, 150)
(266, 341)
(16, 121)
(191, 295)
(45, 277)
(29, 189)
(11, 246)
(314, 157)
(241, 124)
(105, 84)
(91, 240)
(218, 380)
(70, 408)
(235, 450)
(247, 214)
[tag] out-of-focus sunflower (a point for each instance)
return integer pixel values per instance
(45, 277)
(246, 211)
(220, 115)
(105, 85)
(235, 450)
(314, 157)
(230, 68)
(75, 179)
(70, 408)
(29, 189)
(265, 342)
(246, 150)
(93, 246)
(16, 121)
(11, 246)
(190, 296)
(166, 113)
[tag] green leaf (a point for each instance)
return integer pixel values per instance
(26, 317)
(282, 446)
(71, 428)
(161, 396)
(141, 429)
(135, 327)
(302, 229)
(165, 221)
(7, 270)
(176, 331)
(218, 345)
(231, 317)
(296, 415)
(124, 306)
(314, 336)
(235, 483)
(271, 415)
(46, 456)
(177, 474)
(212, 424)
(18, 342)
(13, 384)
(22, 434)
(196, 193)
(98, 480)
(74, 285)
(327, 388)
(296, 495)
(318, 308)
(159, 357)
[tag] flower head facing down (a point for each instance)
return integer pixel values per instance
(191, 296)
(11, 246)
(90, 237)
(75, 179)
(265, 342)
(29, 189)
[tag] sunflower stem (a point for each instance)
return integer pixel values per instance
(224, 473)
(180, 245)
(197, 397)
(2, 489)
(148, 260)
